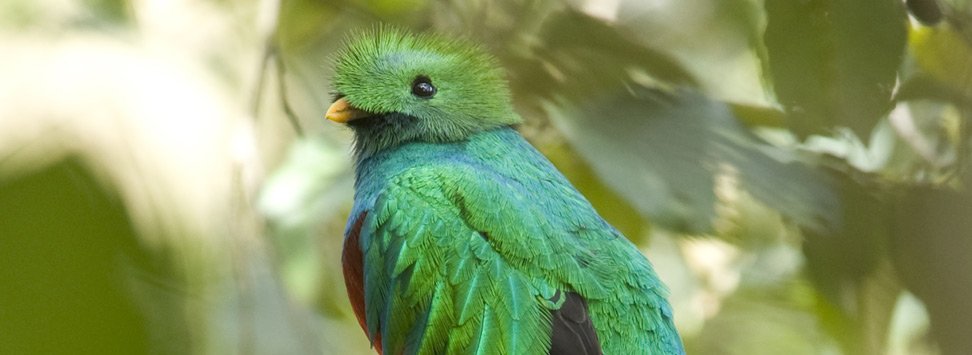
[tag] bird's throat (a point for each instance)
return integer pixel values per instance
(376, 133)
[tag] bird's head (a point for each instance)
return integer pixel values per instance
(393, 87)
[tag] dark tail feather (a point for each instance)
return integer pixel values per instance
(572, 329)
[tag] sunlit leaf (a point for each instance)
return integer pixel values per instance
(945, 56)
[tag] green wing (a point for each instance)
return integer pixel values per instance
(462, 260)
(426, 266)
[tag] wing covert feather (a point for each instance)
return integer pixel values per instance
(472, 257)
(426, 266)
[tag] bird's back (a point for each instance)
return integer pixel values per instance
(568, 248)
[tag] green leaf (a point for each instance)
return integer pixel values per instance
(944, 55)
(849, 267)
(576, 55)
(847, 254)
(834, 62)
(662, 152)
(66, 244)
(756, 116)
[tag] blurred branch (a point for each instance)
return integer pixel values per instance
(267, 32)
(282, 88)
(271, 53)
(267, 20)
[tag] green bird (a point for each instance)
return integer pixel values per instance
(463, 239)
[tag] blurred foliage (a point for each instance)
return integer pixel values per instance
(931, 237)
(833, 63)
(61, 227)
(797, 170)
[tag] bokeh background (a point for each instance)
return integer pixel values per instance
(798, 171)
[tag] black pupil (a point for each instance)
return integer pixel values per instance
(422, 87)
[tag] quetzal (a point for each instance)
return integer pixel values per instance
(463, 239)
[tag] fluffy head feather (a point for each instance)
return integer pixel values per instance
(376, 73)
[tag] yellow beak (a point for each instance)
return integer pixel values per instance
(341, 112)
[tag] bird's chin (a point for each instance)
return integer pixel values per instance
(375, 133)
(371, 120)
(384, 123)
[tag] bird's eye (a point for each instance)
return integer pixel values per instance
(422, 87)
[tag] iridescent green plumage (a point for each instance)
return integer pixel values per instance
(466, 237)
(376, 70)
